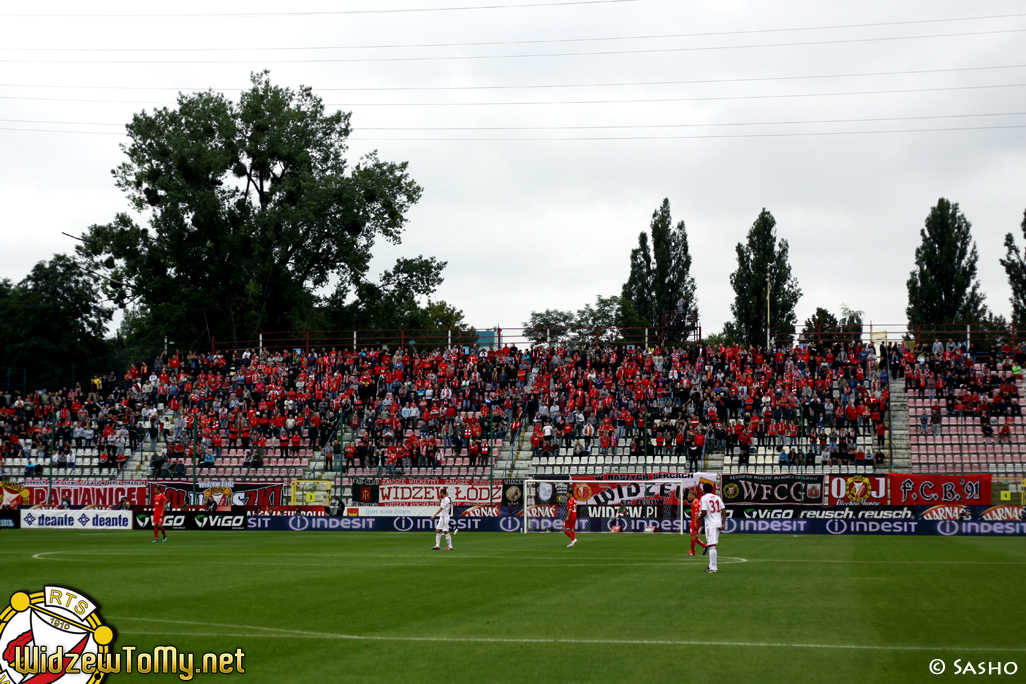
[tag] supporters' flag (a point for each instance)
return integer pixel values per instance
(367, 494)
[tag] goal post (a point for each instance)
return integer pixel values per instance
(311, 492)
(607, 505)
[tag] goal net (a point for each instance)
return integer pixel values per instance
(653, 505)
(311, 492)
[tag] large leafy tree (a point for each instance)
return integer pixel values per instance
(660, 276)
(824, 327)
(821, 325)
(585, 326)
(762, 260)
(1015, 269)
(398, 300)
(943, 287)
(53, 318)
(249, 207)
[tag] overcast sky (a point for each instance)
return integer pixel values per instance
(575, 120)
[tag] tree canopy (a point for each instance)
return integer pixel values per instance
(824, 327)
(581, 327)
(943, 287)
(762, 260)
(53, 318)
(249, 207)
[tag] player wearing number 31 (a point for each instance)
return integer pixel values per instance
(712, 516)
(444, 512)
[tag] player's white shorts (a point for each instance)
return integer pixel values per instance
(442, 523)
(712, 534)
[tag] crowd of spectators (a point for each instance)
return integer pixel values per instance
(810, 401)
(408, 408)
(954, 381)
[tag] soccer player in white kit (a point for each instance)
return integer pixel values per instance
(444, 512)
(712, 514)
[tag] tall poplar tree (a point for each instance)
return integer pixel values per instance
(1015, 269)
(943, 287)
(660, 277)
(762, 260)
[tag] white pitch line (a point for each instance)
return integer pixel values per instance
(885, 562)
(469, 562)
(682, 560)
(298, 634)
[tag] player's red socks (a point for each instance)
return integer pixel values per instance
(693, 540)
(569, 531)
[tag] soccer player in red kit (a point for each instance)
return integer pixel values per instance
(696, 520)
(159, 502)
(571, 518)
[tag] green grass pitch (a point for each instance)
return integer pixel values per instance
(383, 607)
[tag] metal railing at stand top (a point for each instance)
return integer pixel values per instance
(493, 337)
(915, 336)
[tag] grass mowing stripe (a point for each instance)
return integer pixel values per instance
(300, 634)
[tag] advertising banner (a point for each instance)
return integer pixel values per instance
(484, 511)
(226, 493)
(9, 520)
(91, 519)
(378, 524)
(98, 494)
(426, 492)
(929, 489)
(856, 490)
(192, 520)
(824, 512)
(947, 528)
(599, 523)
(772, 489)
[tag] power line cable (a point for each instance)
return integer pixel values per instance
(669, 137)
(575, 102)
(437, 58)
(516, 42)
(751, 79)
(400, 10)
(593, 127)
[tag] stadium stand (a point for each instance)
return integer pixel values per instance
(705, 408)
(964, 413)
(509, 412)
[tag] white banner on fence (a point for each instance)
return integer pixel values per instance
(410, 492)
(37, 519)
(393, 511)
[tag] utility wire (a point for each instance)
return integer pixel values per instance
(217, 15)
(613, 126)
(752, 79)
(667, 137)
(515, 42)
(594, 53)
(576, 102)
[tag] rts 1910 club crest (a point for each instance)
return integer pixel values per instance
(54, 635)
